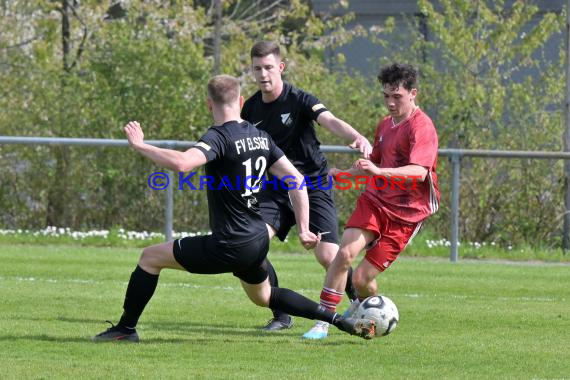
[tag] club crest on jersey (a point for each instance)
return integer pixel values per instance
(286, 119)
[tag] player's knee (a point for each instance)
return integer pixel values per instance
(149, 259)
(265, 296)
(262, 302)
(325, 253)
(258, 294)
(344, 258)
(325, 259)
(259, 299)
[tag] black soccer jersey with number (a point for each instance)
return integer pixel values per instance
(238, 154)
(289, 121)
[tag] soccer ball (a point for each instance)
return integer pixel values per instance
(381, 310)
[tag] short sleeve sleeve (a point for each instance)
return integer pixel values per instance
(423, 144)
(311, 106)
(212, 144)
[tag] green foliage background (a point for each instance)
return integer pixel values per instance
(484, 80)
(486, 83)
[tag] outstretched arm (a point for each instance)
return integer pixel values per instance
(168, 158)
(284, 169)
(410, 172)
(342, 129)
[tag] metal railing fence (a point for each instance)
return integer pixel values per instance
(454, 155)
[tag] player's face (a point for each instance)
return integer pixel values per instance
(267, 72)
(399, 101)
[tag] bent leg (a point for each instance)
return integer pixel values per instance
(287, 300)
(300, 306)
(353, 241)
(144, 279)
(157, 257)
(325, 253)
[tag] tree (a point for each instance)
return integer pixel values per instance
(487, 84)
(148, 61)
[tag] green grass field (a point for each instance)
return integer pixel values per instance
(465, 320)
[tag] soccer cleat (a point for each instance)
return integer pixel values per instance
(319, 331)
(364, 328)
(351, 309)
(117, 334)
(276, 324)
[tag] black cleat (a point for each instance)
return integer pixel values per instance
(276, 324)
(117, 333)
(364, 328)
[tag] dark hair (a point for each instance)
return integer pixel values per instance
(264, 48)
(398, 74)
(223, 89)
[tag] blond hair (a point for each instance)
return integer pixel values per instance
(223, 89)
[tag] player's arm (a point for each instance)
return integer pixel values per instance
(353, 171)
(423, 152)
(342, 129)
(284, 170)
(168, 158)
(411, 173)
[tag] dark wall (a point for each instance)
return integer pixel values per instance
(365, 57)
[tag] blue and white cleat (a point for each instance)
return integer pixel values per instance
(319, 331)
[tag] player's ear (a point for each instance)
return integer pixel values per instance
(241, 101)
(281, 66)
(414, 93)
(210, 104)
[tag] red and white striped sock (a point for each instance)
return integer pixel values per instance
(330, 298)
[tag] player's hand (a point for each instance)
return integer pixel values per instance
(362, 144)
(334, 171)
(367, 166)
(308, 239)
(134, 134)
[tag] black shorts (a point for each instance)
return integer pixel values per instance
(206, 255)
(277, 211)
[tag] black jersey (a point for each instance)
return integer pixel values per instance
(238, 154)
(289, 121)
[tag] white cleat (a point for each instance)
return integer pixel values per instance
(319, 331)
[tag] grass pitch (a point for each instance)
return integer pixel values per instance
(464, 320)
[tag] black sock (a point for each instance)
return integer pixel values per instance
(139, 291)
(274, 282)
(298, 305)
(350, 290)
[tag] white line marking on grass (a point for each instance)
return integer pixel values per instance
(302, 291)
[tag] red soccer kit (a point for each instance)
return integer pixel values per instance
(392, 213)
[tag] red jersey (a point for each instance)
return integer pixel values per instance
(412, 141)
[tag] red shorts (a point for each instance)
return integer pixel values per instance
(391, 236)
